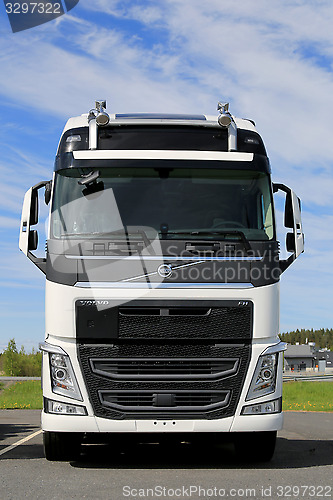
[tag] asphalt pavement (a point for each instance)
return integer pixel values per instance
(302, 467)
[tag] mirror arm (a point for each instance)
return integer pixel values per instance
(285, 263)
(40, 262)
(282, 187)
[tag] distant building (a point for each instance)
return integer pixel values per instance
(324, 358)
(299, 357)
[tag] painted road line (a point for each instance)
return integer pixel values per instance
(21, 441)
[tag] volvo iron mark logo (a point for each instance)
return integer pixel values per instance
(164, 270)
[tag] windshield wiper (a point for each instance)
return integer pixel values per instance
(235, 232)
(130, 232)
(126, 232)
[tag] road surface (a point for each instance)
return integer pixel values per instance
(302, 467)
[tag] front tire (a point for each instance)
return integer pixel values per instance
(255, 446)
(62, 446)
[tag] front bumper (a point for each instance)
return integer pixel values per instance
(91, 424)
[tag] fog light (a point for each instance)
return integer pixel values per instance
(59, 408)
(273, 406)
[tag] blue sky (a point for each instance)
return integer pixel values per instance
(272, 59)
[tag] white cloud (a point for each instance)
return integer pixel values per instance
(18, 170)
(252, 54)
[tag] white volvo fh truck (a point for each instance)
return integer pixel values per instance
(162, 281)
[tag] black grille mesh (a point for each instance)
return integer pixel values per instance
(163, 399)
(220, 323)
(231, 384)
(164, 368)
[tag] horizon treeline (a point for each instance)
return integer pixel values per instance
(323, 338)
(18, 363)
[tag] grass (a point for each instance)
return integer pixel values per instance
(308, 396)
(297, 396)
(25, 395)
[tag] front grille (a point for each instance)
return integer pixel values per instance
(164, 381)
(162, 320)
(164, 400)
(164, 368)
(166, 323)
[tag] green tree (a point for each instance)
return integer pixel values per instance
(31, 364)
(322, 337)
(20, 363)
(11, 362)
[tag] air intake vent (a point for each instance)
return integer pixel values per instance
(164, 400)
(164, 311)
(164, 368)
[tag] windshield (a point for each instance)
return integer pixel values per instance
(173, 202)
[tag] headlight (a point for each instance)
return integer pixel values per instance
(62, 376)
(264, 378)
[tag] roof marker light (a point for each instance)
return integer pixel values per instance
(251, 140)
(73, 138)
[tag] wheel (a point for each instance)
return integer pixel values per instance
(62, 446)
(255, 446)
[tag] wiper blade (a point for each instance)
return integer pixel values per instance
(235, 232)
(127, 232)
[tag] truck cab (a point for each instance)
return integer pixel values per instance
(162, 270)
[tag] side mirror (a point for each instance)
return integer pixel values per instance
(290, 242)
(292, 220)
(48, 191)
(288, 211)
(33, 240)
(34, 208)
(29, 238)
